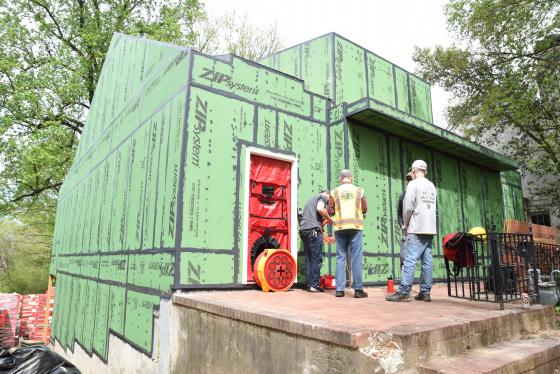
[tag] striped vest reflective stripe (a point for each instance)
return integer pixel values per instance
(348, 207)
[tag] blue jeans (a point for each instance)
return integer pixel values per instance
(313, 249)
(403, 248)
(349, 239)
(418, 247)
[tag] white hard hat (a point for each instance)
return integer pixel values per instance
(419, 164)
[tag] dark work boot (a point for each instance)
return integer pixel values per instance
(398, 297)
(339, 293)
(423, 297)
(360, 294)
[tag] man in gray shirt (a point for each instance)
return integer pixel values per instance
(311, 234)
(420, 222)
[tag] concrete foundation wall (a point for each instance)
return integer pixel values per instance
(208, 343)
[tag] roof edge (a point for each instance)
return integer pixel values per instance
(426, 133)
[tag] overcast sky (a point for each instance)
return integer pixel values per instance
(390, 28)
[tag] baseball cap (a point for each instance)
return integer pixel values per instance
(345, 174)
(419, 164)
(409, 176)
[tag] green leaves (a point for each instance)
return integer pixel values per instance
(504, 74)
(25, 256)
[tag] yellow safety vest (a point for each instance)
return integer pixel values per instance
(348, 207)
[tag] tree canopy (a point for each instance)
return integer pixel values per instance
(504, 74)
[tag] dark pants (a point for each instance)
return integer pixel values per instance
(313, 249)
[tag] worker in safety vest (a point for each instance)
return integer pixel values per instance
(347, 206)
(420, 221)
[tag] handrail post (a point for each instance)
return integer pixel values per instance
(495, 258)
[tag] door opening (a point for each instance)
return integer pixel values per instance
(269, 208)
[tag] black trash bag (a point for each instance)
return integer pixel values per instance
(34, 359)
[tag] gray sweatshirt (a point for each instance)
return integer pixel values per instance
(419, 207)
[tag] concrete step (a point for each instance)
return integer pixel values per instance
(467, 331)
(529, 354)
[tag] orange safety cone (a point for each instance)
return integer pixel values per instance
(390, 285)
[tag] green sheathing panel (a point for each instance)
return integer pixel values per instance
(311, 61)
(412, 152)
(512, 196)
(317, 66)
(215, 124)
(120, 199)
(402, 97)
(420, 99)
(207, 268)
(381, 80)
(397, 171)
(252, 82)
(337, 152)
(320, 108)
(473, 198)
(445, 174)
(368, 151)
(289, 61)
(350, 71)
(493, 200)
(139, 321)
(307, 140)
(151, 270)
(101, 335)
(266, 134)
(450, 201)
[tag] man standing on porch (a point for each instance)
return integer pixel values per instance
(419, 216)
(311, 234)
(348, 206)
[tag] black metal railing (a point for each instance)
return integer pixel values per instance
(548, 257)
(498, 269)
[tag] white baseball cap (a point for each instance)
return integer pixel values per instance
(419, 164)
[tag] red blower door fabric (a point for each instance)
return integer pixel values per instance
(269, 207)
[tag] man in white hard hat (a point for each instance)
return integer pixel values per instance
(419, 221)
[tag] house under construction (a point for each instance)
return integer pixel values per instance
(167, 192)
